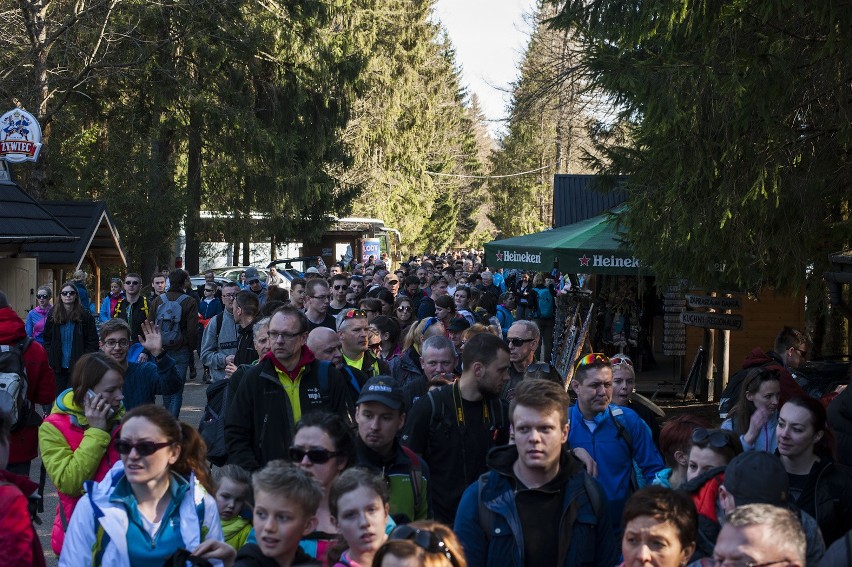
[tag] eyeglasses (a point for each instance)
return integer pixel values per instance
(619, 360)
(592, 359)
(352, 313)
(67, 293)
(132, 282)
(275, 335)
(424, 539)
(208, 289)
(231, 295)
(143, 448)
(517, 341)
(800, 351)
(403, 308)
(713, 562)
(42, 296)
(316, 456)
(715, 438)
(341, 287)
(112, 343)
(319, 297)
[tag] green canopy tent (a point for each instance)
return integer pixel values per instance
(592, 246)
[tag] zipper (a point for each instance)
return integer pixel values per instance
(262, 431)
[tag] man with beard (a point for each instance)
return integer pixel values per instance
(455, 425)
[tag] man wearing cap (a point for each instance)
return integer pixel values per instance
(317, 296)
(391, 282)
(456, 328)
(456, 425)
(757, 477)
(761, 534)
(380, 415)
(523, 338)
(255, 285)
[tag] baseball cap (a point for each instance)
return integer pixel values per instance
(458, 324)
(391, 278)
(757, 477)
(251, 274)
(384, 390)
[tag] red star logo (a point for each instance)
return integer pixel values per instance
(500, 256)
(584, 261)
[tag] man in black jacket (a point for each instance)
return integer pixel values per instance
(274, 394)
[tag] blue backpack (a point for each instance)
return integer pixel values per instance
(545, 303)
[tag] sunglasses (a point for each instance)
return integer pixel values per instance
(132, 282)
(42, 296)
(208, 289)
(67, 293)
(517, 341)
(619, 360)
(403, 308)
(341, 287)
(352, 313)
(715, 438)
(425, 540)
(143, 448)
(593, 359)
(316, 456)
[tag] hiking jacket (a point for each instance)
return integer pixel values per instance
(85, 340)
(407, 476)
(72, 453)
(505, 317)
(108, 306)
(23, 443)
(34, 325)
(827, 497)
(216, 347)
(104, 529)
(586, 538)
(609, 449)
(134, 313)
(259, 422)
(406, 367)
(18, 538)
(143, 382)
(188, 318)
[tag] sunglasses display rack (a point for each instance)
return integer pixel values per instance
(574, 315)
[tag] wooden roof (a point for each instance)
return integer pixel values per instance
(24, 220)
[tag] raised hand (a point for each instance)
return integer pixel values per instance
(151, 338)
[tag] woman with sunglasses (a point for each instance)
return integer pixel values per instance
(155, 503)
(69, 333)
(37, 317)
(623, 387)
(403, 312)
(76, 438)
(817, 485)
(755, 415)
(711, 449)
(423, 543)
(323, 447)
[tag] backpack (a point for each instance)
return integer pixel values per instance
(545, 303)
(168, 319)
(13, 383)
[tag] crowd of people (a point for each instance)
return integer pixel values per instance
(366, 416)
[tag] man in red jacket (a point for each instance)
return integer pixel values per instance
(790, 348)
(23, 443)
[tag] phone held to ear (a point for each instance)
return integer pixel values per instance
(91, 395)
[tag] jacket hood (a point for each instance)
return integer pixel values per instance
(65, 404)
(306, 357)
(502, 459)
(758, 358)
(11, 327)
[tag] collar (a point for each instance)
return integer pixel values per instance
(305, 358)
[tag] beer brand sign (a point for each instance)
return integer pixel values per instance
(611, 261)
(20, 136)
(520, 257)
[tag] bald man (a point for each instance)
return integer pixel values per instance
(325, 344)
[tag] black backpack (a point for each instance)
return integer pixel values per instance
(212, 426)
(13, 384)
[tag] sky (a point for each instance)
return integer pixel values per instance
(489, 37)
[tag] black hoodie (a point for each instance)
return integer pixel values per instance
(250, 555)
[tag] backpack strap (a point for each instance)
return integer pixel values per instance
(322, 377)
(415, 473)
(617, 415)
(352, 379)
(219, 318)
(486, 516)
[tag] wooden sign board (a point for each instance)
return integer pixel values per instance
(712, 320)
(713, 302)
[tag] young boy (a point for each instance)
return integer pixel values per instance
(286, 501)
(18, 539)
(233, 492)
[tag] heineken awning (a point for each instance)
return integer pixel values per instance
(592, 246)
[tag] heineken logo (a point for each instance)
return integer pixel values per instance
(521, 257)
(601, 261)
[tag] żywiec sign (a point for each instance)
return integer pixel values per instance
(20, 136)
(601, 261)
(521, 257)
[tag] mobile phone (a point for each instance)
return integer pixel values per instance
(91, 395)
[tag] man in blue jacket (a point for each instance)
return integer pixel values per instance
(616, 437)
(537, 505)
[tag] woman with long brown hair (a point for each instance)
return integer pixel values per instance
(69, 333)
(154, 505)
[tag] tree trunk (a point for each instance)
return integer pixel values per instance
(193, 188)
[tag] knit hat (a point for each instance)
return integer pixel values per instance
(757, 477)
